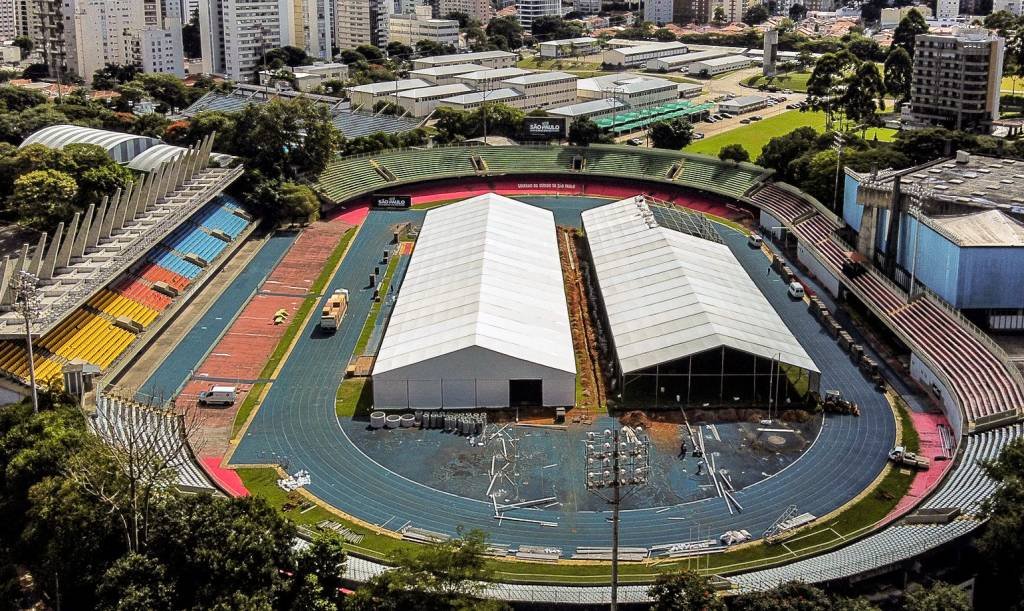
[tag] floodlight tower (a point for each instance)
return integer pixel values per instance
(28, 303)
(615, 460)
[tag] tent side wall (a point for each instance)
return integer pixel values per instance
(470, 378)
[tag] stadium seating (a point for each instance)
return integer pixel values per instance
(120, 422)
(189, 239)
(172, 262)
(220, 215)
(348, 177)
(14, 359)
(982, 383)
(709, 174)
(116, 305)
(608, 162)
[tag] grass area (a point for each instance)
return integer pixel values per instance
(1010, 82)
(371, 318)
(294, 326)
(755, 136)
(562, 63)
(797, 81)
(911, 440)
(353, 398)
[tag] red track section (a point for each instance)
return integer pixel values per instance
(240, 355)
(927, 426)
(227, 479)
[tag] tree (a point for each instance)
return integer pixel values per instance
(287, 56)
(165, 88)
(797, 12)
(791, 596)
(829, 82)
(898, 75)
(191, 40)
(43, 195)
(112, 75)
(430, 48)
(674, 134)
(17, 99)
(906, 32)
(135, 583)
(298, 203)
(755, 15)
(25, 44)
(1003, 22)
(447, 575)
(865, 95)
(508, 29)
(399, 50)
(463, 18)
(781, 151)
(285, 138)
(1000, 546)
(553, 27)
(664, 35)
(865, 49)
(719, 17)
(370, 52)
(584, 132)
(317, 577)
(921, 145)
(939, 597)
(684, 591)
(735, 152)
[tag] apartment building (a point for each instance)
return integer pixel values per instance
(236, 33)
(8, 20)
(956, 79)
(586, 7)
(411, 28)
(161, 49)
(1010, 6)
(658, 12)
(947, 10)
(528, 10)
(361, 22)
(481, 10)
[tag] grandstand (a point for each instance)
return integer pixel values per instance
(352, 177)
(983, 384)
(351, 123)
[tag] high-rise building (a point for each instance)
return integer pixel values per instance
(123, 33)
(692, 11)
(532, 9)
(8, 20)
(481, 10)
(947, 10)
(235, 34)
(956, 79)
(361, 22)
(658, 12)
(1010, 6)
(410, 28)
(586, 7)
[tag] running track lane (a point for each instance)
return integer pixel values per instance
(297, 423)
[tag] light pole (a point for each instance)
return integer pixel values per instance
(28, 303)
(617, 459)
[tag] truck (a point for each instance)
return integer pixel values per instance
(900, 456)
(218, 395)
(334, 310)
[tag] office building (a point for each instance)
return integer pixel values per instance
(444, 75)
(411, 28)
(635, 90)
(570, 47)
(658, 12)
(544, 89)
(586, 7)
(306, 78)
(956, 79)
(236, 33)
(8, 20)
(719, 65)
(532, 9)
(639, 55)
(490, 59)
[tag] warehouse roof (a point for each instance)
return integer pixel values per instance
(651, 48)
(485, 272)
(669, 294)
(464, 57)
(539, 77)
(989, 228)
(438, 90)
(484, 96)
(587, 108)
(387, 87)
(59, 136)
(449, 70)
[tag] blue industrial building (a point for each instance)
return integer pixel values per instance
(959, 232)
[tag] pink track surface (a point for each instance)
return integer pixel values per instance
(243, 350)
(227, 478)
(927, 426)
(353, 215)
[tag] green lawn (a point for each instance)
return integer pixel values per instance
(797, 81)
(1008, 83)
(753, 137)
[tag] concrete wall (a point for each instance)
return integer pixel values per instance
(920, 372)
(824, 277)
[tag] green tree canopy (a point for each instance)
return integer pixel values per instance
(906, 32)
(735, 152)
(508, 29)
(684, 591)
(674, 134)
(584, 132)
(755, 14)
(42, 196)
(898, 75)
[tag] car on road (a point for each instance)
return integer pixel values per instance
(697, 135)
(745, 121)
(756, 118)
(634, 142)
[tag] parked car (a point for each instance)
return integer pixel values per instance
(697, 135)
(634, 142)
(218, 395)
(745, 121)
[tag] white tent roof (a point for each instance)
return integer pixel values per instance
(669, 294)
(59, 136)
(485, 272)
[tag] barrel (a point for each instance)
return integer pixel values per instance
(377, 420)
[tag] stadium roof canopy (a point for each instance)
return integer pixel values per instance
(485, 273)
(152, 158)
(670, 295)
(120, 146)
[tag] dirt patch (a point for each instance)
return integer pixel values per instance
(662, 427)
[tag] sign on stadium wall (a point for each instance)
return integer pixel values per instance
(545, 128)
(392, 202)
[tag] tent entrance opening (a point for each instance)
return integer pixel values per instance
(525, 392)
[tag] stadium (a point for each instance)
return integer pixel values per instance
(497, 298)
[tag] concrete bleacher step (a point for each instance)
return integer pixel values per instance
(242, 214)
(220, 234)
(128, 324)
(195, 259)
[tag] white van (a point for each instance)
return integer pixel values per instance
(755, 241)
(796, 290)
(218, 395)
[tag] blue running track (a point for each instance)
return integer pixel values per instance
(190, 351)
(296, 424)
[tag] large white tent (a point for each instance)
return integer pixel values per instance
(669, 295)
(481, 318)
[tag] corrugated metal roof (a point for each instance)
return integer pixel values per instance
(988, 228)
(59, 136)
(669, 294)
(485, 272)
